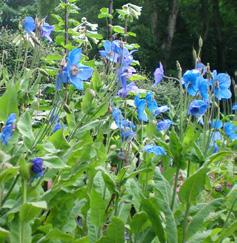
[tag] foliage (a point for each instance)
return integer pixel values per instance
(88, 163)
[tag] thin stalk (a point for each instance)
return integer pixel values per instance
(229, 213)
(66, 15)
(10, 190)
(185, 223)
(175, 187)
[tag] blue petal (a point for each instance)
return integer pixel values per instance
(223, 93)
(29, 24)
(157, 150)
(11, 119)
(216, 124)
(203, 87)
(224, 80)
(74, 57)
(164, 125)
(141, 105)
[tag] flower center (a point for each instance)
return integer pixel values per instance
(74, 70)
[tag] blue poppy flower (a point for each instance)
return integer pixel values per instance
(127, 128)
(197, 108)
(111, 51)
(151, 103)
(201, 67)
(74, 72)
(234, 107)
(7, 130)
(203, 87)
(141, 105)
(164, 125)
(216, 124)
(154, 149)
(131, 87)
(221, 83)
(190, 79)
(37, 167)
(29, 24)
(216, 136)
(46, 30)
(230, 130)
(159, 74)
(162, 109)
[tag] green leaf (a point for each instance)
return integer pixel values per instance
(231, 199)
(229, 231)
(189, 137)
(24, 126)
(86, 104)
(30, 210)
(139, 222)
(115, 232)
(8, 102)
(218, 157)
(7, 173)
(54, 162)
(4, 234)
(118, 29)
(152, 209)
(193, 186)
(58, 140)
(197, 222)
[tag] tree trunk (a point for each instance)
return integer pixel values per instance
(220, 48)
(171, 27)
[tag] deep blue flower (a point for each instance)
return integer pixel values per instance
(190, 79)
(159, 74)
(203, 87)
(197, 108)
(234, 107)
(7, 130)
(221, 83)
(230, 130)
(57, 126)
(29, 24)
(112, 51)
(46, 30)
(154, 149)
(141, 105)
(74, 72)
(37, 167)
(151, 103)
(164, 125)
(216, 124)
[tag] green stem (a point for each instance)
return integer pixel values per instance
(10, 190)
(229, 213)
(185, 223)
(175, 187)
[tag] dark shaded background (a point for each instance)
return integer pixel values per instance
(214, 20)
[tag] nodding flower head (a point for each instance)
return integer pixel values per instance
(37, 167)
(7, 130)
(197, 108)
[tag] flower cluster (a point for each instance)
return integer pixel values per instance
(37, 167)
(30, 26)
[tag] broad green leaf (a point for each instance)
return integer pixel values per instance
(218, 157)
(24, 126)
(4, 234)
(30, 210)
(86, 104)
(115, 232)
(8, 173)
(54, 162)
(197, 222)
(153, 211)
(139, 222)
(229, 231)
(118, 29)
(231, 199)
(58, 140)
(8, 102)
(189, 138)
(4, 157)
(193, 186)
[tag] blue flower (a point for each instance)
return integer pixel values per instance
(127, 128)
(141, 105)
(221, 83)
(159, 74)
(197, 108)
(7, 130)
(230, 130)
(37, 167)
(154, 149)
(74, 72)
(203, 87)
(201, 67)
(190, 79)
(112, 51)
(151, 103)
(29, 24)
(132, 87)
(57, 126)
(234, 107)
(216, 124)
(164, 125)
(46, 30)
(124, 73)
(162, 109)
(216, 136)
